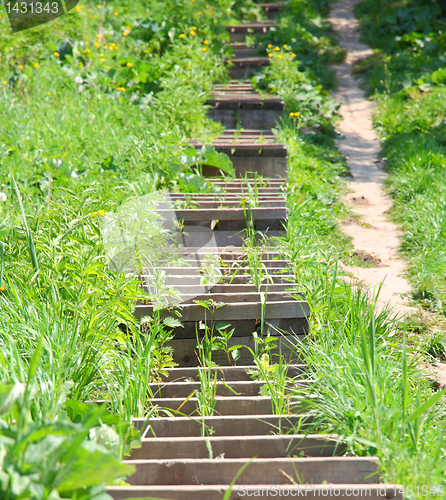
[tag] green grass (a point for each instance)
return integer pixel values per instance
(406, 77)
(78, 150)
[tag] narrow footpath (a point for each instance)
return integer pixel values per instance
(373, 234)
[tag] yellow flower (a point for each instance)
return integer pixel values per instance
(78, 9)
(269, 45)
(293, 55)
(102, 59)
(94, 214)
(277, 48)
(121, 89)
(116, 14)
(192, 33)
(270, 55)
(49, 93)
(98, 6)
(285, 46)
(36, 65)
(280, 56)
(128, 28)
(194, 28)
(204, 49)
(97, 45)
(102, 213)
(102, 55)
(99, 35)
(129, 65)
(5, 82)
(2, 288)
(56, 54)
(20, 66)
(125, 33)
(182, 35)
(206, 42)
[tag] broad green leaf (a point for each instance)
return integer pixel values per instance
(10, 394)
(91, 464)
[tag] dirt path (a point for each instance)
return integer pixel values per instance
(374, 234)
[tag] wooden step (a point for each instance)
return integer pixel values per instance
(241, 67)
(185, 389)
(239, 425)
(234, 405)
(237, 34)
(242, 50)
(313, 445)
(272, 471)
(272, 10)
(216, 492)
(228, 373)
(243, 109)
(185, 350)
(267, 159)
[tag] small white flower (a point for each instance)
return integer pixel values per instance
(3, 197)
(79, 80)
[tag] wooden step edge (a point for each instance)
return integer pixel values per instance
(216, 492)
(181, 426)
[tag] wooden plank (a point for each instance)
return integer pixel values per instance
(237, 311)
(257, 213)
(246, 405)
(208, 471)
(185, 351)
(216, 492)
(228, 373)
(312, 445)
(231, 425)
(245, 328)
(185, 389)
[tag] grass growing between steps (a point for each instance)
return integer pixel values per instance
(367, 387)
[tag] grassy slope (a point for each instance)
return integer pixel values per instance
(124, 146)
(407, 76)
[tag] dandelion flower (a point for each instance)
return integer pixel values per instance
(5, 82)
(269, 46)
(49, 93)
(121, 89)
(125, 33)
(20, 66)
(182, 35)
(78, 9)
(102, 213)
(128, 28)
(270, 55)
(280, 56)
(36, 65)
(2, 288)
(98, 6)
(204, 49)
(206, 42)
(277, 48)
(56, 54)
(102, 59)
(129, 65)
(293, 55)
(116, 14)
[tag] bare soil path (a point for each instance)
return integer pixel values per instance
(373, 234)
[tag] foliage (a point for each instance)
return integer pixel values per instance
(406, 76)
